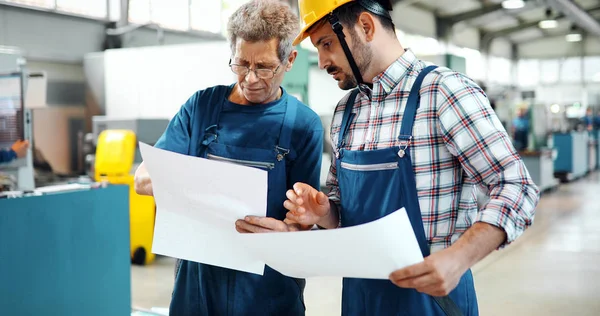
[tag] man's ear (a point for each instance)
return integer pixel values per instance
(291, 59)
(366, 24)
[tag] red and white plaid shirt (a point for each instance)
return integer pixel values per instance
(458, 145)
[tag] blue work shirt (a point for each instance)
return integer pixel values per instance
(248, 133)
(254, 126)
(7, 155)
(521, 124)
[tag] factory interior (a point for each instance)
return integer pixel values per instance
(77, 239)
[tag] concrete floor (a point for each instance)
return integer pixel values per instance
(553, 269)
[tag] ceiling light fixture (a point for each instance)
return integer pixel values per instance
(574, 35)
(513, 4)
(549, 22)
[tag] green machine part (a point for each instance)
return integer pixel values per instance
(456, 63)
(296, 81)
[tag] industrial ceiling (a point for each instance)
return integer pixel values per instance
(527, 22)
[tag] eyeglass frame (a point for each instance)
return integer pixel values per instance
(274, 72)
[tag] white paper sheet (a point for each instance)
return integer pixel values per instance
(198, 201)
(370, 251)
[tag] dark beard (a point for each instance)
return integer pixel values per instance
(363, 55)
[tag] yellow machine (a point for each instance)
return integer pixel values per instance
(115, 155)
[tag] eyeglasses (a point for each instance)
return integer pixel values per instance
(262, 73)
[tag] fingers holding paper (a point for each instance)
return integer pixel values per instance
(437, 275)
(257, 224)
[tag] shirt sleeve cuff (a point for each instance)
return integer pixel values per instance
(505, 219)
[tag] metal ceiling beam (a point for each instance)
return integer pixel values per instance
(453, 19)
(577, 15)
(557, 35)
(520, 27)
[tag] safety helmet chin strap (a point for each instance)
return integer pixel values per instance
(338, 29)
(369, 5)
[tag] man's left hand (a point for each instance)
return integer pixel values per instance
(437, 275)
(257, 224)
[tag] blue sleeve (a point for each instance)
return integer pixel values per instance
(7, 155)
(306, 167)
(176, 137)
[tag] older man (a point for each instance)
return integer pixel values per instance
(414, 136)
(252, 122)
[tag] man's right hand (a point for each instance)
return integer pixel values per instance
(142, 182)
(20, 148)
(307, 206)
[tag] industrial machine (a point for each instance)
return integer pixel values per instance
(116, 158)
(15, 124)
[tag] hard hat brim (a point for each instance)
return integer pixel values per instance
(303, 35)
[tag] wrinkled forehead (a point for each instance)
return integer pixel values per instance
(263, 52)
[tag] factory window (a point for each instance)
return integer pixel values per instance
(570, 70)
(500, 70)
(475, 64)
(92, 8)
(528, 71)
(591, 68)
(549, 70)
(35, 3)
(89, 8)
(170, 14)
(205, 15)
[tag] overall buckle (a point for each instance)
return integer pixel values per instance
(404, 143)
(279, 151)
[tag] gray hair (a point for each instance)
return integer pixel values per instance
(263, 20)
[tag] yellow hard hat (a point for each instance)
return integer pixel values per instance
(311, 11)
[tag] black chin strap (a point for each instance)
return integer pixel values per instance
(338, 29)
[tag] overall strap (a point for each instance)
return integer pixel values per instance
(346, 120)
(445, 302)
(410, 112)
(287, 127)
(213, 110)
(408, 174)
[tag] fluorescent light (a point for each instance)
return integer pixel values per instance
(548, 24)
(555, 108)
(573, 37)
(596, 77)
(513, 4)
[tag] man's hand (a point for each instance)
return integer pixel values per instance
(142, 182)
(307, 206)
(256, 224)
(440, 272)
(437, 275)
(20, 147)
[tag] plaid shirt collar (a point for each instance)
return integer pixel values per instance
(386, 81)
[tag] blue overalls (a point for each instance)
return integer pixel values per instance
(202, 289)
(372, 185)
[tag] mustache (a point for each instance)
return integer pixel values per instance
(332, 69)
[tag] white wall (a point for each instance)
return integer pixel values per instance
(153, 82)
(61, 38)
(414, 20)
(501, 47)
(465, 36)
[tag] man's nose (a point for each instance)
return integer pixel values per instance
(251, 77)
(323, 63)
